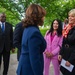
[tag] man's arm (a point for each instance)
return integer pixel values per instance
(17, 35)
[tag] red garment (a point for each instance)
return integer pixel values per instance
(64, 25)
(66, 30)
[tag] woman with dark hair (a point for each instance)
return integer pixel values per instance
(67, 51)
(53, 38)
(33, 43)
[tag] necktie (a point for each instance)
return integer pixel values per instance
(3, 27)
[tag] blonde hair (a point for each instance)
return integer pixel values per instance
(72, 12)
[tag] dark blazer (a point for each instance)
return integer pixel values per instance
(6, 37)
(17, 37)
(33, 46)
(68, 51)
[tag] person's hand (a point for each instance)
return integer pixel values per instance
(48, 54)
(59, 57)
(13, 50)
(51, 55)
(67, 64)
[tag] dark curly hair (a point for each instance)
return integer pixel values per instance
(33, 16)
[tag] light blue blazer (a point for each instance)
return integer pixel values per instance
(33, 45)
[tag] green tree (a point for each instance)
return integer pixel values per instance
(15, 9)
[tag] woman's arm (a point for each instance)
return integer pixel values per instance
(57, 49)
(35, 53)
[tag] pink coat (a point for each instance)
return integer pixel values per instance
(54, 46)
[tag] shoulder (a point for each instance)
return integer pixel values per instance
(19, 24)
(72, 30)
(32, 31)
(35, 31)
(9, 24)
(61, 37)
(47, 33)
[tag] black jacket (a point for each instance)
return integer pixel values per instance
(17, 36)
(68, 51)
(6, 37)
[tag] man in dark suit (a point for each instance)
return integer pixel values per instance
(6, 42)
(17, 38)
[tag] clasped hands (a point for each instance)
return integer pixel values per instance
(48, 54)
(67, 62)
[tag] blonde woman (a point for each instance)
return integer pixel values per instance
(68, 47)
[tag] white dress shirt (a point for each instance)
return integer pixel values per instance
(1, 25)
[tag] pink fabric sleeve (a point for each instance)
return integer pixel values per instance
(45, 37)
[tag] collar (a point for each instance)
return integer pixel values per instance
(1, 23)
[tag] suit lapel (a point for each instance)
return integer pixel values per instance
(49, 39)
(0, 29)
(5, 26)
(55, 38)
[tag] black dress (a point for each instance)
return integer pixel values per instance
(68, 51)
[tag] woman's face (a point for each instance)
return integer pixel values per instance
(55, 25)
(71, 18)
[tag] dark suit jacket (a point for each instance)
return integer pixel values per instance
(17, 38)
(6, 37)
(33, 46)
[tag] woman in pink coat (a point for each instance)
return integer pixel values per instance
(53, 38)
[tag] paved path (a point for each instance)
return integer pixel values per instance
(13, 66)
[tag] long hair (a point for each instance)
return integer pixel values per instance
(33, 16)
(59, 30)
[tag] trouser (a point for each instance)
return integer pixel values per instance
(55, 63)
(6, 58)
(18, 54)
